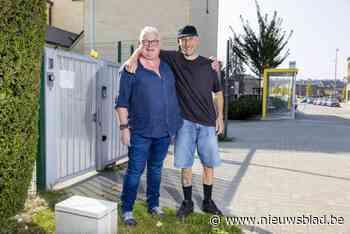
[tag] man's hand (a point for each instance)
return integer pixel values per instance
(219, 126)
(215, 65)
(125, 136)
(131, 64)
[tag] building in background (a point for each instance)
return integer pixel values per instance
(67, 15)
(348, 82)
(111, 21)
(65, 25)
(59, 38)
(112, 27)
(241, 85)
(244, 84)
(300, 87)
(320, 88)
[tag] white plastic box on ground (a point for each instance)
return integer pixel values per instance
(86, 215)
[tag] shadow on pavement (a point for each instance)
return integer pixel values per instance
(107, 185)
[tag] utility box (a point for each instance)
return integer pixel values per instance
(86, 215)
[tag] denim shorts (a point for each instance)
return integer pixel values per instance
(192, 136)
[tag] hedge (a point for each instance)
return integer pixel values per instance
(244, 107)
(22, 36)
(278, 104)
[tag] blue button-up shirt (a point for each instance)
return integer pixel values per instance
(151, 101)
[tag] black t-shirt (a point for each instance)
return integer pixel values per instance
(195, 82)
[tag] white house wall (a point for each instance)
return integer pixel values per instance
(118, 20)
(207, 24)
(68, 15)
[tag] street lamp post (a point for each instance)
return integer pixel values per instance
(335, 73)
(226, 94)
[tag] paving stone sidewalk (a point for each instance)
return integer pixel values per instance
(282, 168)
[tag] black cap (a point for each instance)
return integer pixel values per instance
(187, 31)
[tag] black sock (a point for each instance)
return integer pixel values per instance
(207, 192)
(187, 192)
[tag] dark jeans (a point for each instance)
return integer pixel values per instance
(144, 150)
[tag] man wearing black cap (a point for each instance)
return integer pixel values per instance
(196, 82)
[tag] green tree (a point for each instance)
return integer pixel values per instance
(22, 37)
(262, 49)
(309, 89)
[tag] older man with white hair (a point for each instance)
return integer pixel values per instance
(149, 115)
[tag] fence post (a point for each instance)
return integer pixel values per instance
(119, 52)
(131, 49)
(40, 164)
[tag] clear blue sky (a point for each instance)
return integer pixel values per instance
(320, 26)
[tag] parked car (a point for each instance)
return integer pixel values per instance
(333, 102)
(310, 100)
(320, 103)
(323, 101)
(317, 101)
(303, 100)
(306, 100)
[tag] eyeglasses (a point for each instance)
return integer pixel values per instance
(150, 43)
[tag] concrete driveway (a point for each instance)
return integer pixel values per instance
(282, 170)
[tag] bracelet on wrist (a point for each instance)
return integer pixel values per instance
(123, 126)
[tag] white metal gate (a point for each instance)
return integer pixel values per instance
(109, 145)
(80, 126)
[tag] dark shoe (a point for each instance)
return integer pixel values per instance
(156, 211)
(185, 209)
(128, 219)
(130, 222)
(210, 207)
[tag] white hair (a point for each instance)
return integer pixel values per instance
(147, 30)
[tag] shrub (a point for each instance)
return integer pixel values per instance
(22, 31)
(278, 104)
(244, 107)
